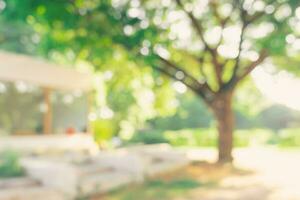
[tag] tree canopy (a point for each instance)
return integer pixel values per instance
(209, 46)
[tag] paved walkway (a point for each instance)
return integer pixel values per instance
(276, 176)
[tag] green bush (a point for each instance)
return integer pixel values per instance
(192, 137)
(209, 137)
(149, 137)
(249, 137)
(205, 137)
(179, 138)
(103, 130)
(9, 165)
(289, 137)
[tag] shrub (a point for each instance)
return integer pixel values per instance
(9, 164)
(149, 137)
(208, 137)
(248, 137)
(103, 130)
(289, 137)
(192, 137)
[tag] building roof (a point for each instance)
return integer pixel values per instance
(17, 67)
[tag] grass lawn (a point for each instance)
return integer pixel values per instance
(155, 189)
(174, 185)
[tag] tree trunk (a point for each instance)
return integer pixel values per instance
(222, 108)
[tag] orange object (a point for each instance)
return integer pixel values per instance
(70, 131)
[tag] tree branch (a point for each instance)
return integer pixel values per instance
(197, 26)
(191, 87)
(200, 88)
(187, 77)
(201, 62)
(177, 69)
(263, 55)
(237, 60)
(233, 81)
(218, 68)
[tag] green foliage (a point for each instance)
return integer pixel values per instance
(249, 137)
(165, 98)
(94, 33)
(247, 96)
(192, 137)
(103, 130)
(9, 165)
(149, 137)
(191, 113)
(290, 63)
(75, 32)
(204, 137)
(289, 137)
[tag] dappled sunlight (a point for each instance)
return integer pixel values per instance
(268, 174)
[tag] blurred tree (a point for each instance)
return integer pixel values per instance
(209, 46)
